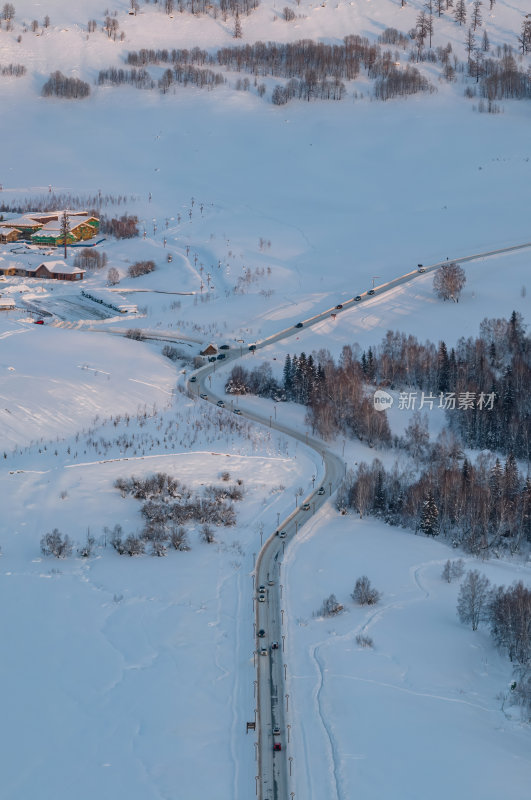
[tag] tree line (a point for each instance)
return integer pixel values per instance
(507, 612)
(483, 507)
(59, 85)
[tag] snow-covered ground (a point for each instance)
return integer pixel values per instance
(134, 676)
(426, 711)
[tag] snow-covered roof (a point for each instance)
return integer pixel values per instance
(56, 266)
(54, 226)
(24, 222)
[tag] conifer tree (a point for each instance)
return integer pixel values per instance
(429, 518)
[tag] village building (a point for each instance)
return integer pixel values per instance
(210, 350)
(6, 303)
(9, 235)
(50, 270)
(45, 229)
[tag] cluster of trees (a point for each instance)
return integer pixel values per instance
(169, 504)
(184, 57)
(52, 201)
(496, 364)
(483, 507)
(140, 78)
(308, 88)
(13, 70)
(89, 258)
(223, 7)
(185, 74)
(135, 545)
(55, 544)
(400, 83)
(507, 612)
(140, 268)
(59, 85)
(257, 381)
(500, 79)
(124, 227)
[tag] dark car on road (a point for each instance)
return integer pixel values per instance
(371, 291)
(222, 356)
(261, 633)
(358, 297)
(299, 325)
(252, 347)
(224, 347)
(339, 306)
(193, 379)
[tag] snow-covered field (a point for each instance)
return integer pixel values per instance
(134, 676)
(423, 713)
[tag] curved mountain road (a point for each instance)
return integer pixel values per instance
(273, 773)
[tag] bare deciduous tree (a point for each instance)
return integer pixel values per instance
(473, 599)
(449, 281)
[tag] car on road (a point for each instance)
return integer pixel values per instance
(282, 534)
(252, 347)
(263, 651)
(299, 325)
(271, 582)
(277, 746)
(203, 396)
(358, 297)
(38, 322)
(220, 403)
(224, 347)
(169, 258)
(321, 490)
(237, 411)
(211, 359)
(221, 356)
(305, 506)
(274, 645)
(339, 306)
(276, 731)
(421, 268)
(261, 588)
(261, 633)
(261, 598)
(193, 379)
(371, 291)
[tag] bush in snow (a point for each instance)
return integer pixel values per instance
(55, 544)
(140, 268)
(330, 607)
(364, 593)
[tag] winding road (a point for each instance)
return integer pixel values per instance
(273, 780)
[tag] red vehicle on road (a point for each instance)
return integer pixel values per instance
(277, 746)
